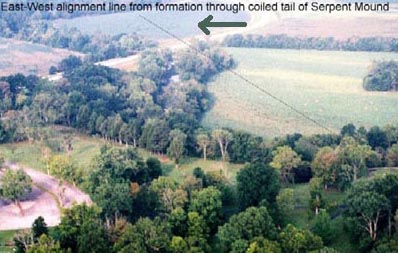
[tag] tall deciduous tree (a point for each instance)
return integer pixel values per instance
(223, 138)
(323, 165)
(203, 140)
(177, 145)
(285, 159)
(367, 208)
(353, 155)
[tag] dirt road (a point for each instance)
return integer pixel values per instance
(42, 201)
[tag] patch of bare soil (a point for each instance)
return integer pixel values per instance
(44, 200)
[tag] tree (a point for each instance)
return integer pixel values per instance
(198, 233)
(203, 140)
(285, 202)
(392, 156)
(367, 208)
(377, 138)
(208, 204)
(255, 183)
(223, 138)
(146, 236)
(81, 230)
(46, 244)
(352, 158)
(323, 226)
(63, 168)
(285, 159)
(170, 195)
(2, 161)
(15, 185)
(178, 245)
(262, 245)
(323, 165)
(348, 130)
(177, 145)
(156, 66)
(39, 227)
(294, 240)
(247, 225)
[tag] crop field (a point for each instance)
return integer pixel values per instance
(326, 86)
(28, 58)
(180, 24)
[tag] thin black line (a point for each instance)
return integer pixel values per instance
(241, 77)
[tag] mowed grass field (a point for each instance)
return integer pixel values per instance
(326, 86)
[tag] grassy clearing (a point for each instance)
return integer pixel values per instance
(302, 218)
(6, 239)
(86, 148)
(326, 86)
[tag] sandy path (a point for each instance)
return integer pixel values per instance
(42, 201)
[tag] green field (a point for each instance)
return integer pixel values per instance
(180, 24)
(326, 86)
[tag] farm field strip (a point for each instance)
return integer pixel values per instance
(327, 86)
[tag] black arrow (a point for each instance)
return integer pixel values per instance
(205, 23)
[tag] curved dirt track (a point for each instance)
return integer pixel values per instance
(42, 201)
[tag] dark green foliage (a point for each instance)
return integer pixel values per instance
(52, 70)
(208, 204)
(348, 130)
(255, 183)
(372, 202)
(323, 227)
(377, 138)
(195, 64)
(251, 223)
(69, 63)
(299, 241)
(372, 44)
(39, 227)
(302, 173)
(382, 77)
(247, 148)
(81, 230)
(156, 66)
(145, 236)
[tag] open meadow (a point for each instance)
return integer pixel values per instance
(28, 58)
(326, 86)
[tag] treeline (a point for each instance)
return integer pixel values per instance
(382, 76)
(282, 41)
